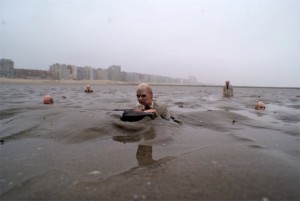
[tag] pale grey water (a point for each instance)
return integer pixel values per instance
(79, 149)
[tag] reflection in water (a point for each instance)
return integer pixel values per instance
(144, 152)
(259, 114)
(136, 137)
(149, 134)
(127, 138)
(144, 155)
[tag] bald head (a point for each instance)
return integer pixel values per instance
(144, 86)
(260, 106)
(144, 94)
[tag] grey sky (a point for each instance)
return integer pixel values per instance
(249, 42)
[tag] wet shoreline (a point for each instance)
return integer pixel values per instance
(112, 82)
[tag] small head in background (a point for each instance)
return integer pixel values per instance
(88, 89)
(260, 106)
(48, 99)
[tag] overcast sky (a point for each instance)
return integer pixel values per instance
(249, 42)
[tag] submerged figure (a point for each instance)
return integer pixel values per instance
(146, 103)
(88, 89)
(227, 90)
(48, 99)
(260, 106)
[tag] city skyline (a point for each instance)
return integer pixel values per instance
(59, 71)
(47, 68)
(249, 42)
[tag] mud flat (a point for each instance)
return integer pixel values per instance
(78, 149)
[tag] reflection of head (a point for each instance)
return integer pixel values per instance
(144, 155)
(144, 94)
(260, 106)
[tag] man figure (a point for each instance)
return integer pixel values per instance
(48, 99)
(260, 106)
(227, 90)
(88, 89)
(146, 103)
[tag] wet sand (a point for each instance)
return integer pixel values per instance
(78, 149)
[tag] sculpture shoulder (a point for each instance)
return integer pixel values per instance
(162, 109)
(158, 104)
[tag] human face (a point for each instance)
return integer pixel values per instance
(260, 106)
(144, 96)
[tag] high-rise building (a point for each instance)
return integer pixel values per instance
(86, 73)
(114, 72)
(7, 68)
(102, 74)
(63, 72)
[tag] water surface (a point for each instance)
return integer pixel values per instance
(78, 149)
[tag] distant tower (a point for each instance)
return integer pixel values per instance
(114, 72)
(63, 71)
(102, 74)
(7, 68)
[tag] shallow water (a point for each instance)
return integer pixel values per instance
(78, 148)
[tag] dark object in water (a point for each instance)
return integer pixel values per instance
(233, 121)
(2, 141)
(176, 120)
(131, 115)
(88, 91)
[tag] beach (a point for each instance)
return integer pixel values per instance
(79, 149)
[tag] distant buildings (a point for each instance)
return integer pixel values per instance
(7, 68)
(63, 71)
(86, 73)
(102, 74)
(114, 73)
(71, 72)
(32, 74)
